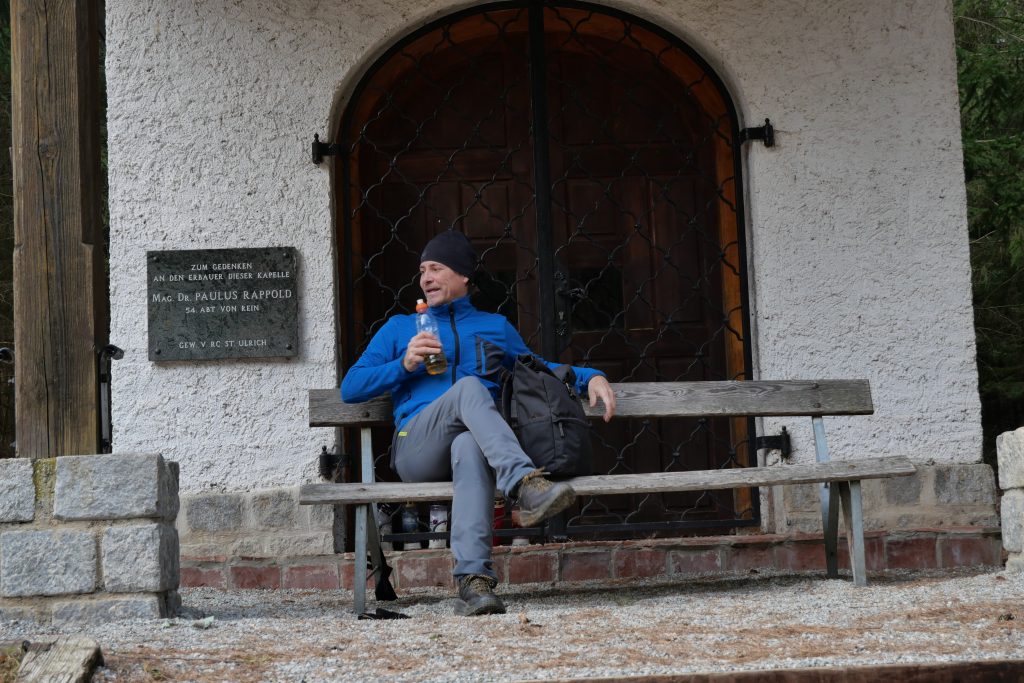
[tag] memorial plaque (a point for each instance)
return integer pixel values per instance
(222, 303)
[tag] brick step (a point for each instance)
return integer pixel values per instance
(610, 560)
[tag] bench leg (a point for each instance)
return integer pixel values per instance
(359, 562)
(830, 527)
(853, 518)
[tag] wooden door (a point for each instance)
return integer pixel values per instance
(643, 238)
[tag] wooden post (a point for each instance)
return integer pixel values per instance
(60, 300)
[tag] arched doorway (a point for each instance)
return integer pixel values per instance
(593, 160)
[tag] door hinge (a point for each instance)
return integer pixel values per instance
(323, 149)
(765, 133)
(779, 442)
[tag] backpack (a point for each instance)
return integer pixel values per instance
(542, 408)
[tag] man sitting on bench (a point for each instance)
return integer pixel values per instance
(447, 426)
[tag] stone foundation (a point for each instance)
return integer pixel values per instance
(257, 524)
(611, 560)
(935, 496)
(88, 538)
(1010, 451)
(943, 516)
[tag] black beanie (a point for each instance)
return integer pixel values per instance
(453, 250)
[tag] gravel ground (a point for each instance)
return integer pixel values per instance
(707, 624)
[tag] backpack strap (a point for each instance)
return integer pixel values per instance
(507, 405)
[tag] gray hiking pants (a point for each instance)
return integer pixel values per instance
(461, 437)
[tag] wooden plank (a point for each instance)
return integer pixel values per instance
(60, 304)
(70, 659)
(1005, 671)
(658, 399)
(326, 409)
(836, 470)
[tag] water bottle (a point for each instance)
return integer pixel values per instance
(436, 362)
(411, 525)
(438, 522)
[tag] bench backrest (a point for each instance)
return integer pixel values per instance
(656, 399)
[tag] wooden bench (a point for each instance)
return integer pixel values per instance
(813, 399)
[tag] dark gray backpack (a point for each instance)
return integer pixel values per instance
(545, 413)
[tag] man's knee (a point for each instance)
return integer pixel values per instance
(471, 474)
(464, 445)
(471, 384)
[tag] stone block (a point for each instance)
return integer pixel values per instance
(140, 558)
(102, 610)
(348, 573)
(250, 546)
(745, 558)
(17, 490)
(267, 545)
(256, 577)
(47, 563)
(1013, 520)
(800, 557)
(688, 562)
(1010, 453)
(872, 494)
(199, 577)
(203, 551)
(969, 551)
(319, 517)
(212, 512)
(911, 553)
(535, 567)
(1015, 563)
(416, 571)
(965, 485)
(903, 491)
(928, 518)
(804, 524)
(802, 497)
(874, 553)
(640, 562)
(17, 614)
(275, 509)
(121, 486)
(300, 545)
(585, 566)
(319, 577)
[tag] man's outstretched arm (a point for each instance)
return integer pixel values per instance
(379, 369)
(588, 380)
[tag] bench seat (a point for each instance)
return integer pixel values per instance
(611, 484)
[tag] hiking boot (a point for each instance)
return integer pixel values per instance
(476, 596)
(540, 498)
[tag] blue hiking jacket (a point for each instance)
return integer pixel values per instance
(475, 344)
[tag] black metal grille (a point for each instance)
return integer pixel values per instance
(593, 161)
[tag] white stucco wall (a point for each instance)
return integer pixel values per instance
(856, 219)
